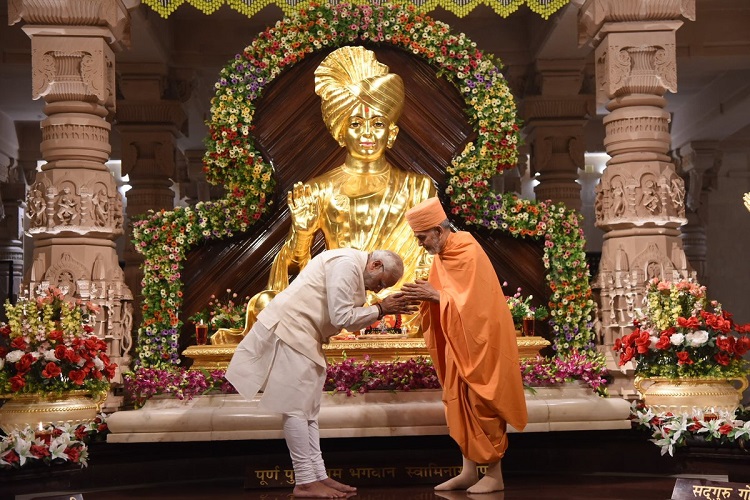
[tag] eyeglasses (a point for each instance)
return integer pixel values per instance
(383, 273)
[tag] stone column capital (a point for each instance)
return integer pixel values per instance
(598, 17)
(110, 18)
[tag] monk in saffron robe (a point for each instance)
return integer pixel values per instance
(468, 330)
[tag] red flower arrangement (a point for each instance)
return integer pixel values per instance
(48, 347)
(682, 335)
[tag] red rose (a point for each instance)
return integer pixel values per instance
(77, 376)
(12, 457)
(725, 429)
(684, 358)
(627, 355)
(72, 356)
(74, 453)
(618, 344)
(663, 343)
(39, 451)
(19, 343)
(3, 352)
(17, 383)
(725, 343)
(691, 322)
(60, 351)
(55, 336)
(51, 370)
(23, 365)
(742, 346)
(643, 342)
(722, 358)
(80, 432)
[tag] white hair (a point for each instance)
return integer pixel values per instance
(392, 262)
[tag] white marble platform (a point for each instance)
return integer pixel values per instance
(229, 417)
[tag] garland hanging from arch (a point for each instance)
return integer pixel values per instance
(460, 8)
(233, 160)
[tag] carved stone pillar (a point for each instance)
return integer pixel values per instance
(699, 163)
(149, 123)
(74, 208)
(12, 193)
(554, 126)
(640, 199)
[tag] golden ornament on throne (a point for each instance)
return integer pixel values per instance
(362, 203)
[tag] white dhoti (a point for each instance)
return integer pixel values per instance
(292, 385)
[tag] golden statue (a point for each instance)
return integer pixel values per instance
(360, 204)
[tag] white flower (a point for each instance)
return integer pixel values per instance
(23, 448)
(99, 364)
(677, 339)
(50, 355)
(697, 338)
(742, 431)
(14, 356)
(58, 445)
(653, 340)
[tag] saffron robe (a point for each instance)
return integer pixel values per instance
(471, 339)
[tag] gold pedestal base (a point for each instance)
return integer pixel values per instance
(31, 410)
(211, 357)
(689, 395)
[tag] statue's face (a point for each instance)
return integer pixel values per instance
(367, 133)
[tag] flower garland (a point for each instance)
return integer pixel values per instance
(233, 160)
(352, 376)
(504, 8)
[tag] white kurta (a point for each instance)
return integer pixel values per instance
(283, 351)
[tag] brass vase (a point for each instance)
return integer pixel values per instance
(688, 395)
(73, 407)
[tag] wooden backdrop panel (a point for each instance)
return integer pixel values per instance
(290, 133)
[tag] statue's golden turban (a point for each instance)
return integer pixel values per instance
(350, 76)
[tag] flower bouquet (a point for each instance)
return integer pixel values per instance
(48, 347)
(682, 335)
(521, 308)
(227, 312)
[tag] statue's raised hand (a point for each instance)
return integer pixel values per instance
(303, 205)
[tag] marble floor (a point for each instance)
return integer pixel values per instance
(518, 487)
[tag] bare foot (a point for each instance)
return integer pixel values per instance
(467, 478)
(332, 483)
(317, 490)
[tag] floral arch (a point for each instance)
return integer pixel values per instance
(165, 237)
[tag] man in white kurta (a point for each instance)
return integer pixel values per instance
(283, 354)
